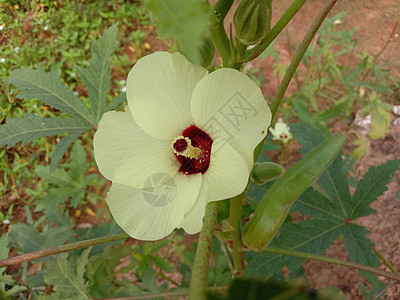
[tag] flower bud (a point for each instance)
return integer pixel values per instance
(265, 172)
(252, 20)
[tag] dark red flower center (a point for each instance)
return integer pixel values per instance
(200, 140)
(180, 145)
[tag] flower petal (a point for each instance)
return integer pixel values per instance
(227, 104)
(126, 154)
(151, 214)
(228, 173)
(194, 218)
(159, 90)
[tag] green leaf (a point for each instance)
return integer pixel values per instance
(380, 122)
(363, 144)
(149, 279)
(336, 186)
(277, 201)
(307, 135)
(46, 86)
(185, 21)
(101, 270)
(313, 203)
(162, 262)
(332, 217)
(66, 278)
(32, 127)
(311, 236)
(371, 187)
(78, 164)
(61, 148)
(97, 77)
(59, 177)
(3, 249)
(359, 249)
(376, 293)
(256, 289)
(121, 98)
(30, 240)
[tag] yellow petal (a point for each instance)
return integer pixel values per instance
(151, 214)
(228, 173)
(229, 105)
(194, 218)
(159, 89)
(126, 154)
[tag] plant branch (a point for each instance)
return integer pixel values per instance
(300, 53)
(198, 280)
(235, 220)
(218, 32)
(64, 248)
(336, 261)
(384, 260)
(278, 27)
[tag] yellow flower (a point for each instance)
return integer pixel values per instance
(186, 138)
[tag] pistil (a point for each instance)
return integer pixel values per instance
(183, 146)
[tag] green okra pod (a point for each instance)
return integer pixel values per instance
(277, 201)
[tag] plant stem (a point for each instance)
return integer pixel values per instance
(282, 153)
(384, 260)
(198, 281)
(300, 53)
(218, 32)
(278, 27)
(235, 220)
(64, 248)
(290, 45)
(336, 261)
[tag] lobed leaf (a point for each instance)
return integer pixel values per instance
(61, 148)
(371, 187)
(32, 127)
(121, 98)
(97, 77)
(311, 236)
(359, 249)
(46, 86)
(66, 280)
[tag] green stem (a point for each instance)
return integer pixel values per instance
(198, 281)
(336, 261)
(300, 53)
(384, 260)
(64, 248)
(235, 220)
(278, 27)
(218, 32)
(282, 153)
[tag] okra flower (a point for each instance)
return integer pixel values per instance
(281, 132)
(186, 138)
